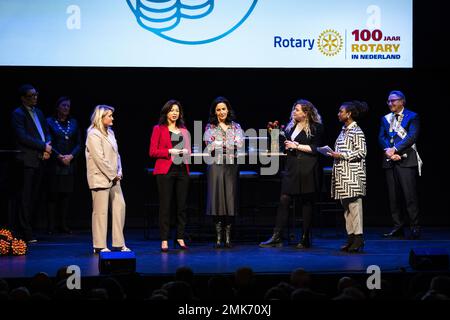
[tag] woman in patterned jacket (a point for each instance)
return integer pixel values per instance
(223, 138)
(348, 182)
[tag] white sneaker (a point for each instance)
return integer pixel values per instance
(125, 249)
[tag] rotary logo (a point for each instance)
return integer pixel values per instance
(191, 22)
(330, 42)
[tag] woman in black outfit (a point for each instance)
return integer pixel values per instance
(304, 134)
(66, 143)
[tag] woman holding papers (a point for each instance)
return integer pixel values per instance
(303, 135)
(170, 146)
(348, 181)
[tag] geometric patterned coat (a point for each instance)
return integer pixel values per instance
(348, 179)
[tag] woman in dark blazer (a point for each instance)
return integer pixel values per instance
(66, 142)
(170, 145)
(304, 134)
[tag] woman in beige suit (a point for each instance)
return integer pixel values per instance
(104, 172)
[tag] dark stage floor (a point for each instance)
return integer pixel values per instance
(50, 253)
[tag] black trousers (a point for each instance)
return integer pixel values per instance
(28, 196)
(173, 188)
(403, 182)
(307, 204)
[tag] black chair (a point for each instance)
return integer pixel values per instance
(248, 202)
(151, 203)
(327, 207)
(195, 205)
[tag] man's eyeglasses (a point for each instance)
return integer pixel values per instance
(392, 100)
(32, 95)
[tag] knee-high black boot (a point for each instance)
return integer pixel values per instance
(218, 243)
(307, 211)
(228, 236)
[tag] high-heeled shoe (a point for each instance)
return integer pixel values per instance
(164, 249)
(177, 244)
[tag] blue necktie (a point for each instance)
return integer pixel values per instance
(37, 123)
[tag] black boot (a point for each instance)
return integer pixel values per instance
(350, 239)
(218, 243)
(415, 233)
(357, 245)
(397, 232)
(274, 241)
(228, 244)
(305, 243)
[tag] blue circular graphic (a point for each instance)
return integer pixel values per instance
(161, 17)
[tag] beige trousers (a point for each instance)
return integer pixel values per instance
(353, 215)
(101, 198)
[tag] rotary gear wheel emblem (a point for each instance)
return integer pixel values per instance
(330, 42)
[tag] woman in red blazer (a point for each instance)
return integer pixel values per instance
(170, 145)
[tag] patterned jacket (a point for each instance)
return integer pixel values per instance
(349, 174)
(222, 144)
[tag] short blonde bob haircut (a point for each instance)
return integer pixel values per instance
(97, 116)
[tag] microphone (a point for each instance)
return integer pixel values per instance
(283, 134)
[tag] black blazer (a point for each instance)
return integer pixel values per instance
(411, 123)
(302, 174)
(61, 145)
(28, 139)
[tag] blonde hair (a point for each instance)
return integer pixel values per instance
(312, 115)
(100, 111)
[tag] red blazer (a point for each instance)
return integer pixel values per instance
(160, 144)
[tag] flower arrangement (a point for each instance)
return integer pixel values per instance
(18, 247)
(11, 245)
(5, 247)
(274, 135)
(5, 233)
(274, 125)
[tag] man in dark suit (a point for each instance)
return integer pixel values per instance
(398, 135)
(33, 140)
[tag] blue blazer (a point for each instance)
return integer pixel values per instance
(28, 139)
(411, 123)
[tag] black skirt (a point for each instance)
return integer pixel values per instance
(302, 174)
(223, 195)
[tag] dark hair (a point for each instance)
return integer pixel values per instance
(212, 113)
(400, 94)
(358, 109)
(166, 109)
(61, 99)
(23, 89)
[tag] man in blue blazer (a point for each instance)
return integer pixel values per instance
(398, 135)
(33, 140)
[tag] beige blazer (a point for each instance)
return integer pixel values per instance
(102, 159)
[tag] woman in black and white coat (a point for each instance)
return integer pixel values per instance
(348, 182)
